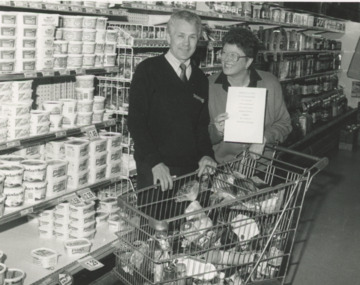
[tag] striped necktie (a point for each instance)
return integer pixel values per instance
(183, 72)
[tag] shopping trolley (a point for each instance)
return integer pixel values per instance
(237, 222)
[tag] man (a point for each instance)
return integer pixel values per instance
(168, 114)
(240, 47)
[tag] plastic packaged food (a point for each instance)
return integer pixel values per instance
(13, 174)
(14, 195)
(34, 170)
(84, 106)
(45, 257)
(85, 93)
(72, 22)
(77, 246)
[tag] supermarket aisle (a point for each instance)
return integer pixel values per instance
(327, 247)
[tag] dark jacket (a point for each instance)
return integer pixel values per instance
(168, 119)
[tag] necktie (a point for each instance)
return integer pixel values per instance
(183, 72)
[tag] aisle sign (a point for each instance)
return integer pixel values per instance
(90, 263)
(87, 195)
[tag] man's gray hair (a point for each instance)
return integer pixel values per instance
(187, 16)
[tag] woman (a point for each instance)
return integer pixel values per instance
(240, 47)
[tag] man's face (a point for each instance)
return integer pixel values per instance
(233, 60)
(182, 38)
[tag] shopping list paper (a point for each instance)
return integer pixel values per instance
(246, 109)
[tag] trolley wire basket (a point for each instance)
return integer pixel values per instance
(238, 221)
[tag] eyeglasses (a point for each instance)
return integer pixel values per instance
(232, 56)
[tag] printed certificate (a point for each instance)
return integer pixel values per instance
(246, 109)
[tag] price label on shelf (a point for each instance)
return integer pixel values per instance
(115, 179)
(87, 195)
(48, 73)
(60, 134)
(30, 74)
(103, 11)
(76, 9)
(64, 8)
(13, 144)
(35, 5)
(90, 10)
(26, 211)
(90, 263)
(74, 200)
(91, 132)
(3, 146)
(64, 198)
(65, 279)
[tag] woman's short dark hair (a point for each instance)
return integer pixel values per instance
(244, 39)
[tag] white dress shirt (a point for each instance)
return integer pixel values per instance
(175, 63)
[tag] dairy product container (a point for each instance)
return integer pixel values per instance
(60, 47)
(16, 109)
(113, 170)
(99, 47)
(7, 53)
(62, 225)
(18, 132)
(46, 232)
(8, 30)
(87, 235)
(111, 36)
(46, 32)
(84, 81)
(28, 32)
(56, 186)
(88, 35)
(48, 20)
(76, 149)
(38, 117)
(85, 93)
(31, 152)
(58, 34)
(7, 42)
(97, 160)
(101, 217)
(74, 60)
(21, 96)
(29, 53)
(99, 103)
(84, 119)
(84, 106)
(69, 106)
(55, 149)
(39, 129)
(5, 96)
(62, 217)
(63, 207)
(7, 66)
(100, 41)
(60, 61)
(26, 65)
(13, 174)
(97, 146)
(45, 257)
(45, 43)
(34, 191)
(34, 170)
(101, 23)
(77, 246)
(110, 48)
(82, 229)
(72, 21)
(54, 107)
(89, 3)
(24, 43)
(55, 122)
(56, 169)
(99, 60)
(88, 60)
(69, 120)
(70, 34)
(102, 4)
(75, 47)
(82, 209)
(98, 116)
(109, 59)
(108, 205)
(14, 195)
(8, 18)
(97, 174)
(61, 234)
(76, 166)
(89, 22)
(11, 159)
(88, 47)
(113, 140)
(20, 121)
(18, 86)
(27, 19)
(115, 223)
(82, 218)
(47, 215)
(5, 86)
(76, 180)
(14, 276)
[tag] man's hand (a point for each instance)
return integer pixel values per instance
(220, 122)
(161, 174)
(257, 149)
(204, 162)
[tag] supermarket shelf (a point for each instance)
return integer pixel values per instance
(298, 52)
(53, 135)
(211, 68)
(33, 6)
(14, 213)
(325, 94)
(162, 43)
(57, 73)
(310, 76)
(18, 252)
(215, 15)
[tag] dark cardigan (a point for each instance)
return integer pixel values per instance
(168, 119)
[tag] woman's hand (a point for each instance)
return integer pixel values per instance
(220, 122)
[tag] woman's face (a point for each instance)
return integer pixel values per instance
(233, 60)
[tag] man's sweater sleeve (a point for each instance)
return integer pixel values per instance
(139, 103)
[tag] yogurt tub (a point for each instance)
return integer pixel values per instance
(77, 246)
(111, 36)
(85, 93)
(28, 65)
(113, 140)
(108, 204)
(63, 207)
(60, 47)
(80, 210)
(81, 229)
(17, 122)
(84, 119)
(109, 59)
(101, 217)
(88, 47)
(87, 235)
(14, 196)
(5, 86)
(77, 180)
(88, 35)
(110, 48)
(113, 170)
(16, 109)
(99, 103)
(101, 23)
(44, 63)
(70, 34)
(18, 86)
(48, 20)
(55, 149)
(115, 223)
(23, 95)
(76, 166)
(60, 61)
(7, 53)
(47, 215)
(62, 225)
(69, 106)
(18, 133)
(38, 117)
(7, 65)
(97, 160)
(7, 42)
(26, 43)
(29, 53)
(97, 147)
(53, 107)
(27, 19)
(14, 276)
(76, 217)
(8, 31)
(74, 60)
(69, 120)
(34, 170)
(72, 21)
(46, 223)
(35, 191)
(97, 174)
(75, 47)
(8, 18)
(56, 186)
(89, 22)
(62, 217)
(11, 159)
(55, 122)
(2, 270)
(61, 234)
(45, 257)
(29, 31)
(56, 169)
(39, 129)
(89, 60)
(3, 123)
(46, 43)
(99, 47)
(99, 60)
(85, 81)
(46, 232)
(46, 32)
(84, 106)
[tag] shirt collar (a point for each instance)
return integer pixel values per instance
(175, 63)
(254, 78)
